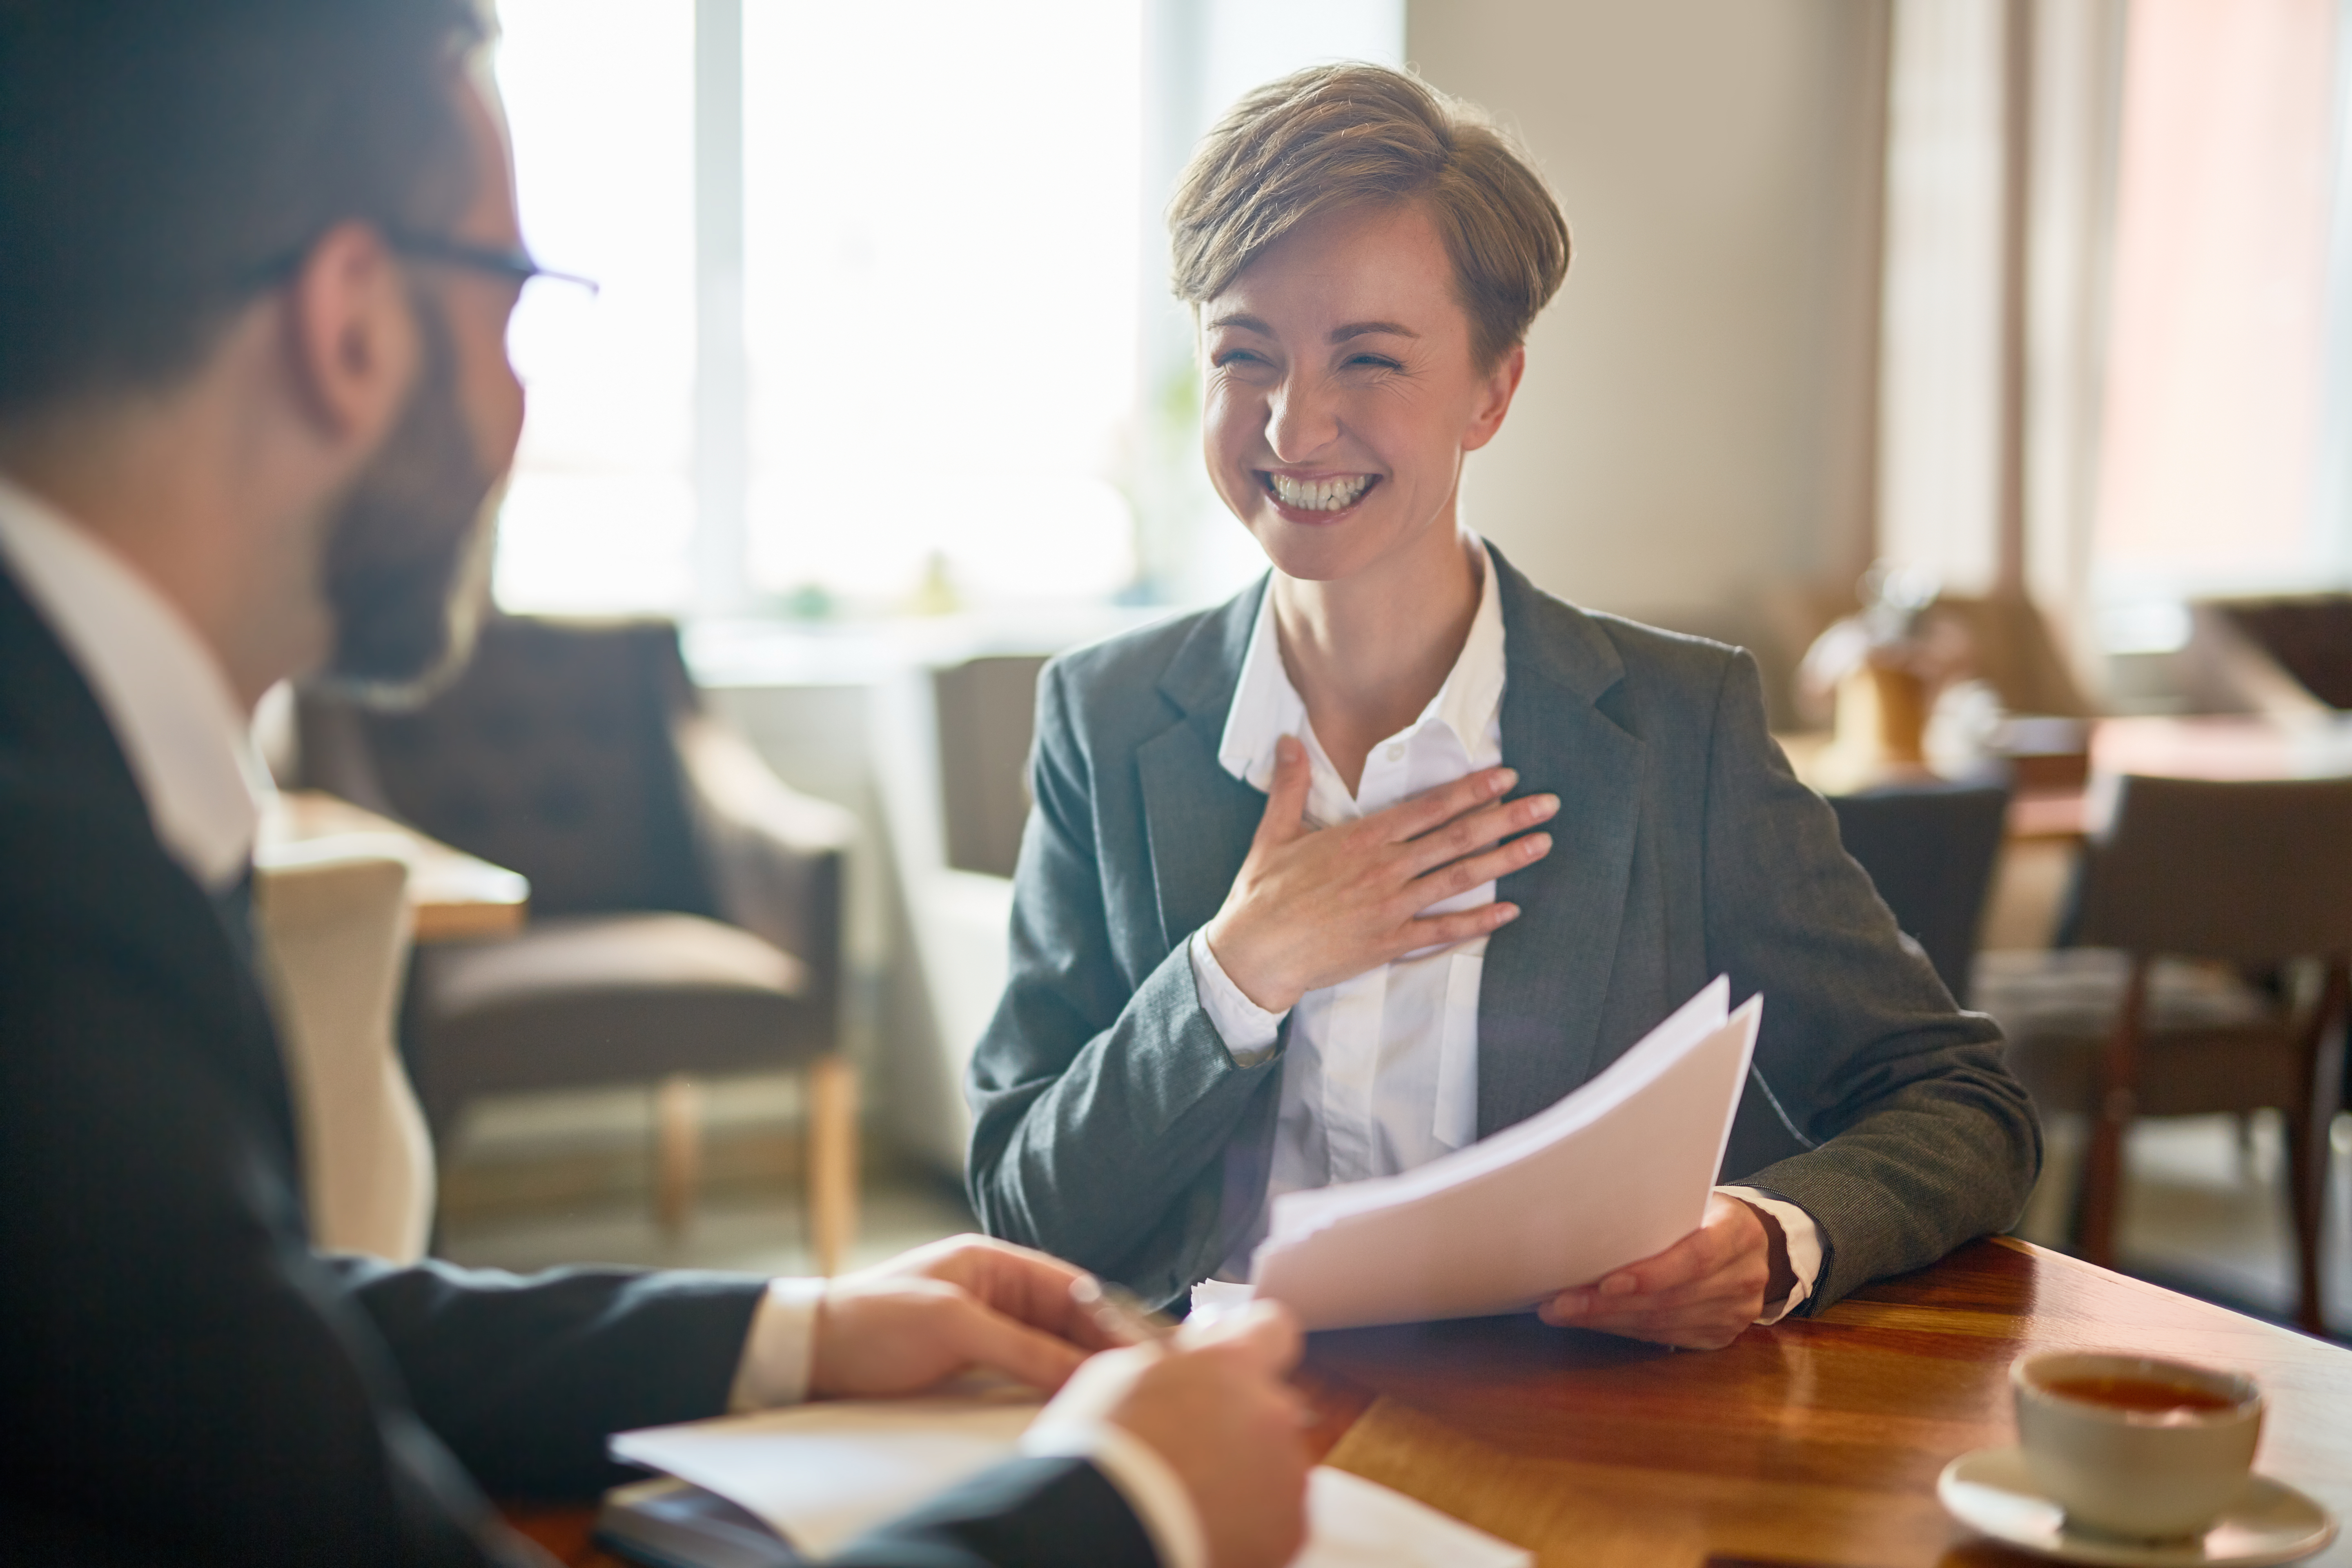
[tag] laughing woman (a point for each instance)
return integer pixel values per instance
(1394, 849)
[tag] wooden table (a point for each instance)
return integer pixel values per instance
(452, 894)
(1810, 1444)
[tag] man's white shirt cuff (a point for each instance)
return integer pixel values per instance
(1247, 1029)
(777, 1351)
(1804, 1238)
(1140, 1476)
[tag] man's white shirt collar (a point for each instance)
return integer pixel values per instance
(1267, 706)
(166, 697)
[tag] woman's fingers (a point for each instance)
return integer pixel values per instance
(1475, 830)
(1462, 876)
(1412, 818)
(1286, 802)
(1444, 930)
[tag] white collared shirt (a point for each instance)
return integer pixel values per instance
(163, 693)
(191, 751)
(1381, 1074)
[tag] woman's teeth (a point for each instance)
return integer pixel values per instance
(1319, 495)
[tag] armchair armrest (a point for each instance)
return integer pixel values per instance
(775, 857)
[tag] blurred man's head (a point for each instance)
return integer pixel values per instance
(297, 211)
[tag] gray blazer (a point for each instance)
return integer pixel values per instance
(1112, 1127)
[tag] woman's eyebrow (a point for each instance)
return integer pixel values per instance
(1365, 329)
(1246, 323)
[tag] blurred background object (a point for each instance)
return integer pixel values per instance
(688, 906)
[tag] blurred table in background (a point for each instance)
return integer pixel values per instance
(1814, 1444)
(453, 895)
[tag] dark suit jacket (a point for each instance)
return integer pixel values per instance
(1112, 1126)
(181, 1379)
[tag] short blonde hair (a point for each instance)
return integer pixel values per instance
(1363, 135)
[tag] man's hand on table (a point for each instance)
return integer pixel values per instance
(1213, 1403)
(927, 1315)
(1699, 1293)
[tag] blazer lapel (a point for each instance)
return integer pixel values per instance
(1198, 818)
(1547, 973)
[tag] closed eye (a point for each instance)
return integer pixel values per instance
(1377, 361)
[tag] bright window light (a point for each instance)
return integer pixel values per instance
(599, 96)
(941, 282)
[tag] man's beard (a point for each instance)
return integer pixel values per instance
(408, 553)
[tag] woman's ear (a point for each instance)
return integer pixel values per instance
(1495, 393)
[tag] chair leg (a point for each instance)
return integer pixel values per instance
(677, 1151)
(2101, 1194)
(832, 1160)
(2306, 1167)
(2118, 1102)
(2308, 1148)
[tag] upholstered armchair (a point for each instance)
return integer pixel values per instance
(686, 905)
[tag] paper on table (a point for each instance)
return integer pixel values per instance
(819, 1474)
(1614, 1173)
(1355, 1523)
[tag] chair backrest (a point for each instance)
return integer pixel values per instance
(2310, 638)
(2253, 871)
(1930, 848)
(331, 920)
(552, 754)
(987, 711)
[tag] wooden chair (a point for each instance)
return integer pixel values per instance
(2193, 886)
(686, 905)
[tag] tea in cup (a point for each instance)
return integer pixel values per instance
(2134, 1446)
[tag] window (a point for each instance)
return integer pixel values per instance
(600, 98)
(2215, 411)
(942, 286)
(885, 321)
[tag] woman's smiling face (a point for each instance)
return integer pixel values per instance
(1341, 393)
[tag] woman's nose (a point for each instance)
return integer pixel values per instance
(1300, 422)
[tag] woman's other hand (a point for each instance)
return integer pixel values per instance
(1312, 907)
(1700, 1293)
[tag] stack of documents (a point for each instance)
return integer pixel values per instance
(819, 1474)
(1616, 1172)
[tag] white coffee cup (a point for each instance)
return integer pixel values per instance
(2135, 1446)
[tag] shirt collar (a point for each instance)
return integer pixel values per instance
(163, 693)
(1266, 707)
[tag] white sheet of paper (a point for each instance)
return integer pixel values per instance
(821, 1474)
(1614, 1173)
(1355, 1523)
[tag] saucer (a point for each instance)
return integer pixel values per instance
(1992, 1491)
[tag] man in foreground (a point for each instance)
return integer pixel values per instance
(257, 258)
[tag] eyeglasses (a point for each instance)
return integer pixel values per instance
(514, 264)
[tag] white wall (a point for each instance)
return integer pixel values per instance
(1692, 436)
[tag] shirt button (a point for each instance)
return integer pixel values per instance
(1396, 753)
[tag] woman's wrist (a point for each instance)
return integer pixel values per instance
(1264, 991)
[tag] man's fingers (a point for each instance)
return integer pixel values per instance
(991, 1339)
(1263, 1331)
(1035, 1289)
